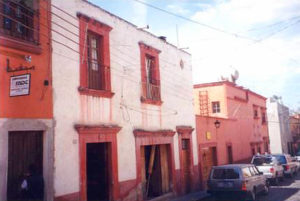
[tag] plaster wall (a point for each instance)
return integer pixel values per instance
(215, 94)
(239, 128)
(278, 123)
(124, 108)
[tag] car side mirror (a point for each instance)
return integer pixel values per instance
(261, 173)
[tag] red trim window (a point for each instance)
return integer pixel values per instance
(94, 58)
(150, 75)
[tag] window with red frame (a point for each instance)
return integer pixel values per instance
(95, 62)
(95, 58)
(150, 75)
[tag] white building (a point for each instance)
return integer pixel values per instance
(122, 106)
(278, 123)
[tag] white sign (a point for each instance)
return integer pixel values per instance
(20, 85)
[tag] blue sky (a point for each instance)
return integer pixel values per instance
(268, 60)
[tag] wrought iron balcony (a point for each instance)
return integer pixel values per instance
(19, 21)
(151, 91)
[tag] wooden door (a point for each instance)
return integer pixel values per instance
(229, 154)
(25, 148)
(186, 165)
(209, 159)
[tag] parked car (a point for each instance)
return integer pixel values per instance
(238, 180)
(270, 167)
(295, 159)
(290, 167)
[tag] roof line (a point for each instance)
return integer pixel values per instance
(134, 26)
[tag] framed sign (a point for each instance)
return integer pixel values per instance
(19, 85)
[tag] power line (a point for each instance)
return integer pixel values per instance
(194, 21)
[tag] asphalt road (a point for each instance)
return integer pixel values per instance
(287, 190)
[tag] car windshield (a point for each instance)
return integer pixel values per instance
(281, 159)
(263, 161)
(225, 173)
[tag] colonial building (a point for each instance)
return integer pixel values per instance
(123, 109)
(281, 139)
(231, 124)
(26, 126)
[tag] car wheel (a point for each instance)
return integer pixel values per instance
(276, 181)
(266, 189)
(252, 195)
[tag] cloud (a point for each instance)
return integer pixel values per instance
(264, 66)
(139, 14)
(178, 9)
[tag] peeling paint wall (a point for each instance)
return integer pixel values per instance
(124, 108)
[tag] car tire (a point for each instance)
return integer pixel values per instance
(266, 189)
(252, 196)
(282, 177)
(276, 181)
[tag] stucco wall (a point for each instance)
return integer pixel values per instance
(125, 108)
(278, 123)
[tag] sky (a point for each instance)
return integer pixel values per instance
(258, 38)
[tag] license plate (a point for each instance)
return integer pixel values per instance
(225, 184)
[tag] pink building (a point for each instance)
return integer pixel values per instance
(231, 124)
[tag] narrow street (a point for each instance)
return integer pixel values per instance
(288, 190)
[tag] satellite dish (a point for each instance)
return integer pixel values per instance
(235, 76)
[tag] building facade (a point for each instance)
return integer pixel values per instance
(231, 124)
(26, 125)
(124, 119)
(295, 131)
(281, 139)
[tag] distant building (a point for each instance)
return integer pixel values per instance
(295, 131)
(231, 124)
(281, 139)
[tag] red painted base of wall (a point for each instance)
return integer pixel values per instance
(68, 197)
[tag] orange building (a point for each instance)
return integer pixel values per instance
(25, 94)
(231, 124)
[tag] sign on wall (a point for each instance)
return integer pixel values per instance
(20, 85)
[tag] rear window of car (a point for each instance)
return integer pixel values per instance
(225, 173)
(281, 159)
(263, 161)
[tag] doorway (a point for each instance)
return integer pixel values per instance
(209, 159)
(186, 157)
(155, 170)
(25, 149)
(229, 154)
(97, 171)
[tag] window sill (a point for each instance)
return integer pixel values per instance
(152, 102)
(20, 45)
(96, 93)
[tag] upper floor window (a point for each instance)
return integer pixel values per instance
(94, 58)
(255, 113)
(150, 83)
(19, 20)
(216, 107)
(95, 66)
(263, 118)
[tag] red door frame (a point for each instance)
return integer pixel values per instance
(143, 138)
(98, 134)
(185, 132)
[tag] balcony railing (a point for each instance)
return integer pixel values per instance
(17, 20)
(151, 91)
